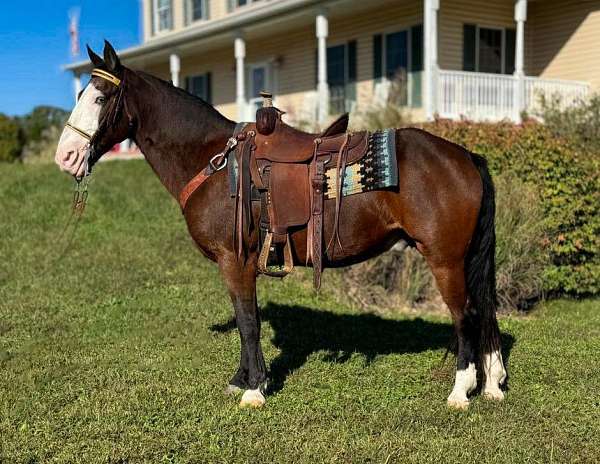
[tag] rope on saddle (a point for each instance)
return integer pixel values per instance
(340, 169)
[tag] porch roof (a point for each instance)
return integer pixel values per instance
(218, 29)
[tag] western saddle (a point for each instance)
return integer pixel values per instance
(284, 169)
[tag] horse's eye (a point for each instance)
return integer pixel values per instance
(100, 100)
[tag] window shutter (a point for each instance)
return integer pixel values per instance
(187, 15)
(377, 56)
(206, 10)
(509, 51)
(209, 87)
(469, 32)
(352, 61)
(230, 5)
(416, 44)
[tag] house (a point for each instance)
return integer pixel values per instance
(484, 60)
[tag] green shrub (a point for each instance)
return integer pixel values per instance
(11, 139)
(579, 123)
(522, 252)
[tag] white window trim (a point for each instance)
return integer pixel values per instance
(502, 45)
(156, 17)
(190, 9)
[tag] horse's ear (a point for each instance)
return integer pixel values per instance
(95, 59)
(110, 57)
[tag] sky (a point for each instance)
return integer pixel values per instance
(34, 44)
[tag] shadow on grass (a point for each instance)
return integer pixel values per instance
(300, 331)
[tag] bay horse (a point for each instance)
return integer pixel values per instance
(444, 205)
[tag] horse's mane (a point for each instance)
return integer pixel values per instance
(183, 101)
(183, 96)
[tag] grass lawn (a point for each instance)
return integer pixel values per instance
(119, 352)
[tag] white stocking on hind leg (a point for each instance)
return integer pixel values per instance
(452, 286)
(495, 375)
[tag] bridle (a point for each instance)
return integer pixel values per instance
(107, 77)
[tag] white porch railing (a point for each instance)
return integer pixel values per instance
(481, 96)
(567, 92)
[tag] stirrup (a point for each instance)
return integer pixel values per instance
(265, 252)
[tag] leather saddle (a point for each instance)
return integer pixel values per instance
(287, 167)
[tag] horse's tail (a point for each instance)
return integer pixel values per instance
(480, 265)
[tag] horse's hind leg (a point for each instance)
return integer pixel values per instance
(451, 282)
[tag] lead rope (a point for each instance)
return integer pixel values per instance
(67, 234)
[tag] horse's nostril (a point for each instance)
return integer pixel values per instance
(70, 153)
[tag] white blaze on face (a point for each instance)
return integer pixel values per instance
(72, 147)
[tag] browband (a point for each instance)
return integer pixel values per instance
(106, 76)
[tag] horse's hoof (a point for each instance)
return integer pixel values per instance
(457, 402)
(252, 399)
(494, 394)
(231, 390)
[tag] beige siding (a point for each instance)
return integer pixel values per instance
(454, 14)
(565, 38)
(217, 8)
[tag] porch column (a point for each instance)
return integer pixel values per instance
(175, 67)
(519, 93)
(322, 24)
(239, 45)
(76, 85)
(430, 32)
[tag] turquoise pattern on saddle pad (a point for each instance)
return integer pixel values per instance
(377, 170)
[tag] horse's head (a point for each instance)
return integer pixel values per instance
(99, 119)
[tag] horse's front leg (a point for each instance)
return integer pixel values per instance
(252, 373)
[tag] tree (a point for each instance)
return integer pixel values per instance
(39, 120)
(11, 139)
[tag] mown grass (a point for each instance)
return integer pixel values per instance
(119, 352)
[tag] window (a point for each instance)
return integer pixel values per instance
(341, 77)
(488, 50)
(163, 15)
(196, 10)
(200, 85)
(398, 62)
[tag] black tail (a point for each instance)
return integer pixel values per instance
(480, 264)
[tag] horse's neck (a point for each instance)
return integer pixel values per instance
(176, 135)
